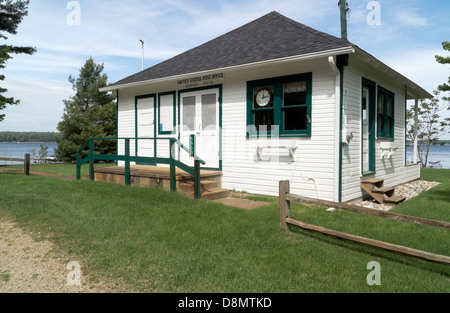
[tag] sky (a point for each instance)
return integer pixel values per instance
(404, 34)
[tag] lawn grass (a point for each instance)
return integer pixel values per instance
(434, 204)
(60, 169)
(157, 241)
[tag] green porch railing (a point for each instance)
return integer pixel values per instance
(127, 158)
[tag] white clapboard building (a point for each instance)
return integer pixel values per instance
(275, 100)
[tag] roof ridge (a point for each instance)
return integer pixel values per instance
(309, 29)
(243, 45)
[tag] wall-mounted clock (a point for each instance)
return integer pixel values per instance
(263, 97)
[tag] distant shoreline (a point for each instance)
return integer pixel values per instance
(27, 137)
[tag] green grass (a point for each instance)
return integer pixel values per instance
(156, 241)
(60, 169)
(5, 276)
(434, 204)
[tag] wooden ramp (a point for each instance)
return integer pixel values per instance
(382, 194)
(156, 176)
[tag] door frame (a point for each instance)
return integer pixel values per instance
(219, 87)
(371, 86)
(136, 120)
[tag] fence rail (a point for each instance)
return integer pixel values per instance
(285, 197)
(26, 163)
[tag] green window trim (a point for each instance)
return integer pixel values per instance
(385, 113)
(174, 110)
(371, 111)
(278, 107)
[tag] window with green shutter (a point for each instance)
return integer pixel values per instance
(280, 106)
(385, 114)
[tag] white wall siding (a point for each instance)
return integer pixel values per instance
(393, 169)
(127, 116)
(312, 171)
(126, 121)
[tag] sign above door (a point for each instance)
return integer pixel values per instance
(201, 81)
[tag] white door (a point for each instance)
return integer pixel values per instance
(145, 126)
(200, 117)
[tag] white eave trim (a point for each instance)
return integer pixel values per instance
(302, 57)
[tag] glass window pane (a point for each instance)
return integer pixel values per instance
(295, 87)
(209, 112)
(189, 113)
(295, 119)
(380, 106)
(388, 126)
(294, 93)
(389, 106)
(264, 120)
(166, 113)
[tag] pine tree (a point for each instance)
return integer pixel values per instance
(89, 113)
(11, 15)
(444, 60)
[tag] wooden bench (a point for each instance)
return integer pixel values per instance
(436, 164)
(290, 148)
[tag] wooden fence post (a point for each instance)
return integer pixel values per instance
(127, 162)
(173, 181)
(91, 159)
(285, 205)
(26, 165)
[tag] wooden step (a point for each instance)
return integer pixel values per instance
(384, 189)
(388, 191)
(395, 200)
(382, 194)
(188, 187)
(373, 181)
(215, 193)
(368, 184)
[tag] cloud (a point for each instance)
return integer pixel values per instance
(420, 66)
(411, 19)
(109, 31)
(41, 104)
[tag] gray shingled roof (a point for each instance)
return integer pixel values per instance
(270, 37)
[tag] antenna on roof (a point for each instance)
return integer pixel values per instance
(142, 42)
(344, 11)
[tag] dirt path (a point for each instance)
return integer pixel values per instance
(29, 266)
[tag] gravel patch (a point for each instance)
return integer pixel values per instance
(30, 266)
(408, 190)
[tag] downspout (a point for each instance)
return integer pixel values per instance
(337, 130)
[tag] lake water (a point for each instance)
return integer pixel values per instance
(437, 153)
(19, 149)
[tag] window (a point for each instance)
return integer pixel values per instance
(385, 114)
(263, 112)
(280, 106)
(166, 113)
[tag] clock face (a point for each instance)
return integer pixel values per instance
(263, 97)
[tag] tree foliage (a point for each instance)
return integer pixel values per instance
(430, 126)
(89, 113)
(11, 15)
(28, 136)
(445, 60)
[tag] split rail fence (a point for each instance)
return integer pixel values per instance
(285, 198)
(26, 162)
